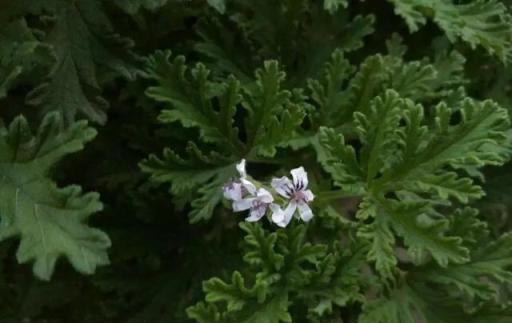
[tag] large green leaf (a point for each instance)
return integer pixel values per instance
(49, 221)
(411, 168)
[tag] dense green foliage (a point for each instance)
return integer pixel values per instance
(122, 121)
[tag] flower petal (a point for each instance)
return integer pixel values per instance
(240, 167)
(264, 196)
(305, 211)
(283, 186)
(277, 213)
(300, 178)
(256, 214)
(285, 216)
(243, 204)
(308, 195)
(232, 191)
(249, 186)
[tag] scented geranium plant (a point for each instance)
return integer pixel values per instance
(238, 161)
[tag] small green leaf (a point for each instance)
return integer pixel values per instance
(234, 294)
(259, 248)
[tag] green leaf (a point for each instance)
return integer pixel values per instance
(409, 10)
(340, 161)
(413, 302)
(260, 248)
(377, 130)
(336, 281)
(382, 241)
(133, 6)
(422, 233)
(274, 311)
(49, 221)
(219, 5)
(355, 31)
(425, 81)
(479, 23)
(490, 267)
(338, 93)
(327, 92)
(190, 94)
(272, 115)
(298, 254)
(21, 55)
(413, 80)
(445, 186)
(332, 5)
(84, 44)
(204, 313)
(365, 84)
(410, 172)
(465, 223)
(403, 306)
(234, 294)
(474, 141)
(226, 43)
(200, 175)
(246, 305)
(269, 32)
(449, 66)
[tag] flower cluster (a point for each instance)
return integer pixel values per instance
(247, 194)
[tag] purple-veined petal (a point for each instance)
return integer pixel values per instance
(243, 204)
(240, 167)
(283, 186)
(305, 211)
(300, 178)
(232, 191)
(308, 195)
(249, 186)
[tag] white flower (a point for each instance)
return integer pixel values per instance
(257, 205)
(297, 193)
(234, 190)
